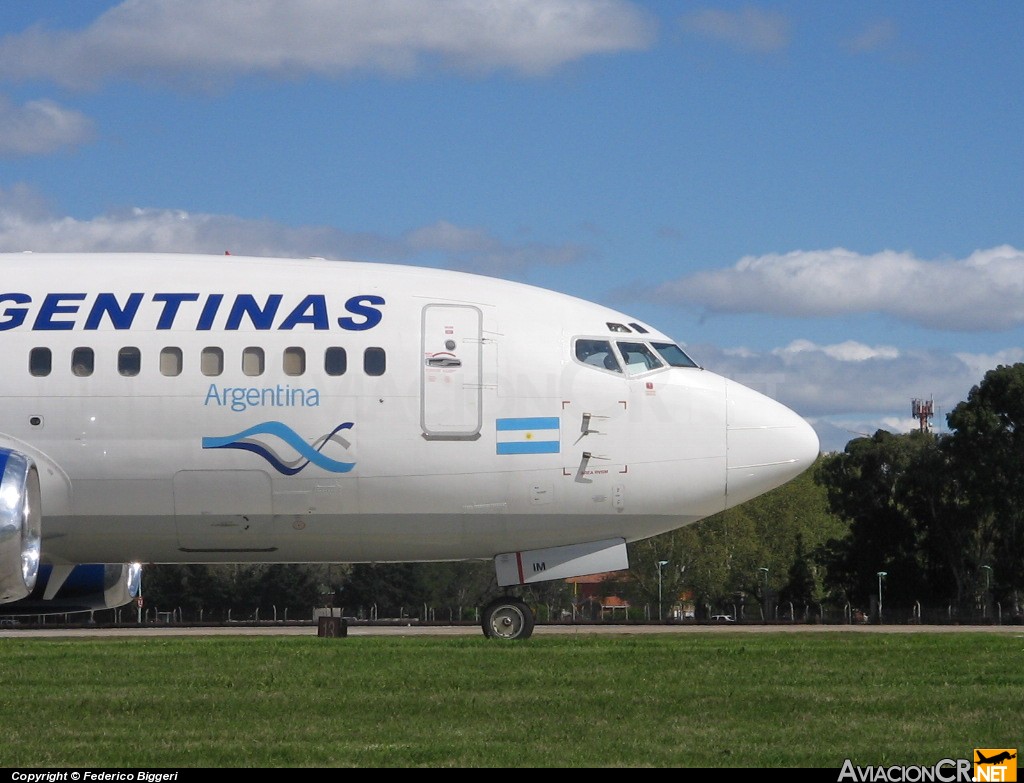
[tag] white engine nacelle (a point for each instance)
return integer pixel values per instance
(83, 587)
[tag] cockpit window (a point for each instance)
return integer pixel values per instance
(638, 357)
(674, 355)
(597, 353)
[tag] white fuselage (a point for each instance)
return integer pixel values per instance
(462, 426)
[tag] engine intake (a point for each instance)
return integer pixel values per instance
(20, 525)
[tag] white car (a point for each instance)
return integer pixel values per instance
(721, 618)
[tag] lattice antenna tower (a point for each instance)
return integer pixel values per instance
(923, 410)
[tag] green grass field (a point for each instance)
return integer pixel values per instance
(671, 700)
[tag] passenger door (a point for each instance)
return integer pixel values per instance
(451, 386)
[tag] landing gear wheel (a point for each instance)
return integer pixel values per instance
(507, 618)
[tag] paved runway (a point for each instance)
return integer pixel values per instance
(473, 630)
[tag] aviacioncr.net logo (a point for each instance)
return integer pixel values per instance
(995, 764)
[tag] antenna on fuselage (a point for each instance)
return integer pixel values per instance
(585, 424)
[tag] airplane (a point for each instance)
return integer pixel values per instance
(996, 759)
(186, 408)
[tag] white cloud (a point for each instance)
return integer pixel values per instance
(984, 291)
(40, 127)
(848, 351)
(26, 224)
(207, 41)
(750, 29)
(849, 381)
(980, 364)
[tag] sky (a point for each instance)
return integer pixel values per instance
(824, 201)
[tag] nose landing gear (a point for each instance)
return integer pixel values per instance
(507, 618)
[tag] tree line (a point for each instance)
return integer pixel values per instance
(939, 515)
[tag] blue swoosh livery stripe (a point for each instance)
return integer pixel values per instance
(242, 441)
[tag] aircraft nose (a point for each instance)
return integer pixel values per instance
(767, 444)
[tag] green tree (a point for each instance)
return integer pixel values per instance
(987, 447)
(279, 587)
(865, 485)
(952, 536)
(213, 590)
(455, 590)
(193, 589)
(387, 589)
(935, 511)
(647, 576)
(803, 587)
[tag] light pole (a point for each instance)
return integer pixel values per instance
(880, 575)
(988, 589)
(661, 566)
(764, 596)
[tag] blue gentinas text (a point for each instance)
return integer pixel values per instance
(188, 311)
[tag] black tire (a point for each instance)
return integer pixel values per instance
(507, 618)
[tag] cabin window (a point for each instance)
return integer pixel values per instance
(597, 353)
(638, 328)
(129, 361)
(639, 357)
(171, 362)
(335, 361)
(40, 361)
(211, 361)
(253, 361)
(374, 361)
(674, 355)
(294, 361)
(612, 327)
(83, 362)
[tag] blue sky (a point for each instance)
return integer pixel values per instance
(822, 200)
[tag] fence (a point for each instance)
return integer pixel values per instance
(782, 613)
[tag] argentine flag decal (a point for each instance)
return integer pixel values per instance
(536, 435)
